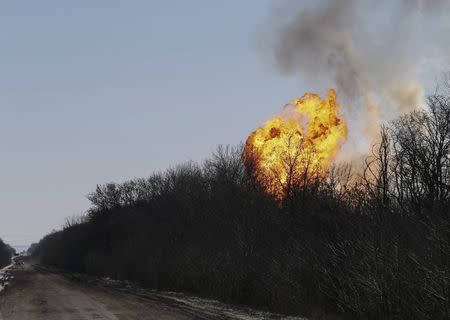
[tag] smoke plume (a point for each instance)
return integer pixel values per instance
(375, 53)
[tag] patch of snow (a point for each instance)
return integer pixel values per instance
(215, 307)
(5, 277)
(207, 306)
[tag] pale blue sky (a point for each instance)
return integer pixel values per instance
(99, 91)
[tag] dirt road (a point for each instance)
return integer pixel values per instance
(40, 295)
(37, 294)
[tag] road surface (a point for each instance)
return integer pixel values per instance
(37, 294)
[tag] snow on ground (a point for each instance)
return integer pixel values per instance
(229, 311)
(5, 277)
(207, 306)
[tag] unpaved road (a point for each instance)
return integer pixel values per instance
(36, 295)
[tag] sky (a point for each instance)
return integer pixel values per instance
(100, 91)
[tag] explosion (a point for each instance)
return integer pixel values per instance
(297, 146)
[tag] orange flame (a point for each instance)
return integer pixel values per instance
(296, 146)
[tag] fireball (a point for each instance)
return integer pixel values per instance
(297, 146)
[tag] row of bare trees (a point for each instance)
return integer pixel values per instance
(374, 245)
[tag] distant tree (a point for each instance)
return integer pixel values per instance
(74, 220)
(32, 249)
(6, 252)
(106, 197)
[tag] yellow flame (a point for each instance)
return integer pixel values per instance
(297, 145)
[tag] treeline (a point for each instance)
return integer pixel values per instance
(374, 245)
(6, 252)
